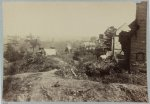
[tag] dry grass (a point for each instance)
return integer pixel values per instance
(45, 86)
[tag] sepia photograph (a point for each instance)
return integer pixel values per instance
(75, 51)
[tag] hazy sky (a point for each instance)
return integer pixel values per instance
(65, 20)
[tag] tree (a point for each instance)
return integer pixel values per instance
(11, 54)
(109, 33)
(34, 42)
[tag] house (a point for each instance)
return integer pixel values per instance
(138, 38)
(133, 43)
(50, 51)
(88, 45)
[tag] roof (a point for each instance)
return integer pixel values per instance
(134, 27)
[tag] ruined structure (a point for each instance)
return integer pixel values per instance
(138, 38)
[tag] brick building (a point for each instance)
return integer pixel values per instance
(138, 38)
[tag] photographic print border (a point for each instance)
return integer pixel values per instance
(1, 49)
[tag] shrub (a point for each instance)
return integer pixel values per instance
(76, 55)
(11, 54)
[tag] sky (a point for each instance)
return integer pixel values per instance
(65, 20)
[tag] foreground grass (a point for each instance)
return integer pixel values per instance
(46, 86)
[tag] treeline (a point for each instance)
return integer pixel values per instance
(16, 49)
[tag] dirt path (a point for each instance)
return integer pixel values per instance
(46, 86)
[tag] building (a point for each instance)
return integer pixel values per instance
(50, 51)
(88, 45)
(133, 42)
(138, 38)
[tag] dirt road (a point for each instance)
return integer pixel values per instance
(46, 86)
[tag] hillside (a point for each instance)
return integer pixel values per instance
(46, 86)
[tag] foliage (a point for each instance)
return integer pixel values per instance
(76, 55)
(34, 42)
(98, 52)
(11, 54)
(96, 68)
(110, 31)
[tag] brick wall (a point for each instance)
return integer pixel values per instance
(138, 41)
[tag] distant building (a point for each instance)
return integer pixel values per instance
(50, 51)
(88, 45)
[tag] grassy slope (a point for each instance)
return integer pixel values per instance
(45, 86)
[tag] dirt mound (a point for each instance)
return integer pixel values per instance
(46, 86)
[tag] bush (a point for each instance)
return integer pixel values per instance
(98, 52)
(11, 54)
(76, 55)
